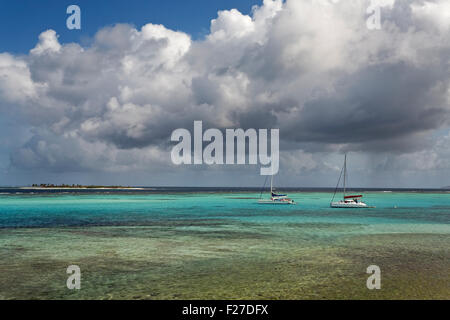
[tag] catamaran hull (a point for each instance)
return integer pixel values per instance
(348, 205)
(275, 202)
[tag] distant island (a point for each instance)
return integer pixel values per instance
(78, 186)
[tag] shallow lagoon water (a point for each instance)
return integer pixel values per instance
(218, 245)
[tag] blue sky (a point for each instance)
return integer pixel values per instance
(21, 21)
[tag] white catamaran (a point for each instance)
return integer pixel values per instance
(348, 201)
(274, 197)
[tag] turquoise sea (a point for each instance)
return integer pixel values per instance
(215, 244)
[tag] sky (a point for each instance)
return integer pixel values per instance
(98, 105)
(29, 17)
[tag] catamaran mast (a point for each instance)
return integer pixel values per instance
(345, 171)
(271, 181)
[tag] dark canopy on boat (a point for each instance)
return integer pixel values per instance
(278, 195)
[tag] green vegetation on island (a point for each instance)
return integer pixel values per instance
(76, 186)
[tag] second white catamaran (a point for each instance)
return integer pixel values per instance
(274, 197)
(348, 201)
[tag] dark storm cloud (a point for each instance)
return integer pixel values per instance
(382, 102)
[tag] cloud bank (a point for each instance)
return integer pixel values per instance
(310, 68)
